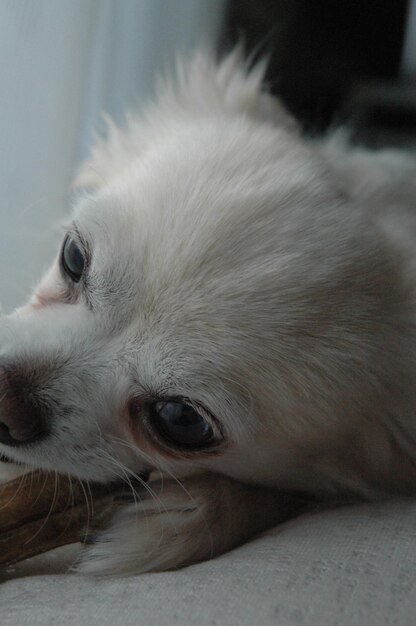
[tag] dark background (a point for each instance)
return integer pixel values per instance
(322, 51)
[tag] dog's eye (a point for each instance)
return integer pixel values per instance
(181, 424)
(72, 260)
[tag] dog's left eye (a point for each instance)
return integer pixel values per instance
(72, 260)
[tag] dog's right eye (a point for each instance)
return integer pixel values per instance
(72, 260)
(180, 424)
(177, 423)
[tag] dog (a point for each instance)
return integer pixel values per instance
(234, 307)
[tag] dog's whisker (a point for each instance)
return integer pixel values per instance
(162, 470)
(45, 482)
(51, 506)
(87, 503)
(71, 494)
(16, 493)
(99, 429)
(129, 473)
(124, 475)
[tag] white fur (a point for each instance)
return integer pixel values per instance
(269, 279)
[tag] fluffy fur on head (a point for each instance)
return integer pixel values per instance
(266, 282)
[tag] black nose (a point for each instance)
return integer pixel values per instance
(22, 418)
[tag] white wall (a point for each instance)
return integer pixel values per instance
(63, 62)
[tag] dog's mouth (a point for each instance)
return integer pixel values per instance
(125, 495)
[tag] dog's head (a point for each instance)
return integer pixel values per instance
(207, 303)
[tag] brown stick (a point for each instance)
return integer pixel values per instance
(39, 512)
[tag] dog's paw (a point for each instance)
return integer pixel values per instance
(164, 529)
(182, 523)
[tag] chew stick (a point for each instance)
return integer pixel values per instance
(39, 512)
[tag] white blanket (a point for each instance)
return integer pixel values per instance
(350, 566)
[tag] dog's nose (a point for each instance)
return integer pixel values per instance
(21, 417)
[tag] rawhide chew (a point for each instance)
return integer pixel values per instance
(40, 511)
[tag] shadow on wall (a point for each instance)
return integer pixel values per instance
(321, 49)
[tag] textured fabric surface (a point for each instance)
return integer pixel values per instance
(350, 566)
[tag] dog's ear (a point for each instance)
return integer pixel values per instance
(198, 88)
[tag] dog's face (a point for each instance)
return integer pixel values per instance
(192, 313)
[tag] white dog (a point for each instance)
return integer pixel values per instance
(231, 305)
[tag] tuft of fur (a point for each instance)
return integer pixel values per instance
(203, 88)
(267, 279)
